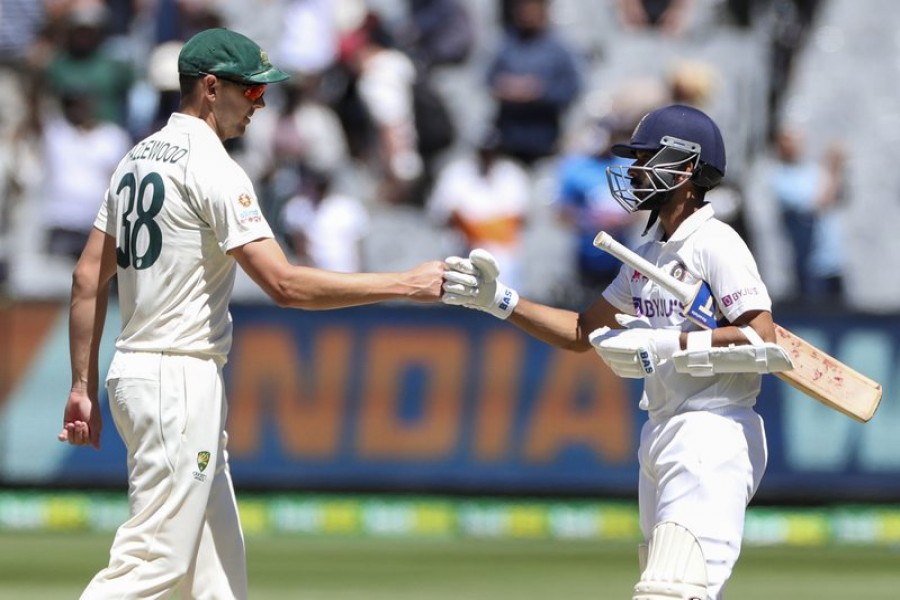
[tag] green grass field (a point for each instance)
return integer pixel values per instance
(41, 566)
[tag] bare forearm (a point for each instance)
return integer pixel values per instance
(555, 326)
(306, 287)
(87, 314)
(314, 289)
(760, 321)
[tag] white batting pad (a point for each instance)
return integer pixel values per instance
(676, 568)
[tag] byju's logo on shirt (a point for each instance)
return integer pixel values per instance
(656, 307)
(733, 297)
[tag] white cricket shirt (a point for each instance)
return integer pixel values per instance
(702, 248)
(176, 204)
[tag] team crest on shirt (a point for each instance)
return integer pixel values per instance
(679, 271)
(249, 212)
(202, 460)
(202, 463)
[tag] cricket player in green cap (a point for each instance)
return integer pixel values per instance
(178, 216)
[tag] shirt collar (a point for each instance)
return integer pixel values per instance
(688, 226)
(193, 124)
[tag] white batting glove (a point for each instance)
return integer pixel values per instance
(472, 282)
(634, 352)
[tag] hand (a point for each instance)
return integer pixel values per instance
(425, 281)
(472, 282)
(82, 421)
(634, 352)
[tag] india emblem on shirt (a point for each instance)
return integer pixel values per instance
(679, 271)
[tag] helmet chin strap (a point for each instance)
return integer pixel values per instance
(654, 205)
(654, 214)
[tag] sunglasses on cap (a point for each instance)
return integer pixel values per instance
(252, 91)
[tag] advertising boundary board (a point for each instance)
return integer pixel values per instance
(434, 399)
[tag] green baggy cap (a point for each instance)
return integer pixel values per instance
(229, 55)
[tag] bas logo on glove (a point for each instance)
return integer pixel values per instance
(506, 300)
(646, 361)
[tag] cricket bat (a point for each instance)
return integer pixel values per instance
(815, 373)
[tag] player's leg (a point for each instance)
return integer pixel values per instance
(671, 562)
(167, 424)
(646, 493)
(220, 568)
(709, 466)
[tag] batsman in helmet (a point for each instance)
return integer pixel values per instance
(702, 449)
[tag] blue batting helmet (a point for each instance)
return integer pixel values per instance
(685, 145)
(683, 123)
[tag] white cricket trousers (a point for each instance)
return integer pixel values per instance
(184, 537)
(700, 469)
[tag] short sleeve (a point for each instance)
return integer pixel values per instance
(103, 222)
(232, 210)
(618, 293)
(733, 276)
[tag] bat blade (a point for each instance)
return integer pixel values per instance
(828, 380)
(815, 373)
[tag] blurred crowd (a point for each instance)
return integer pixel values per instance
(419, 126)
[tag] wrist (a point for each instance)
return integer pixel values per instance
(505, 301)
(698, 340)
(667, 342)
